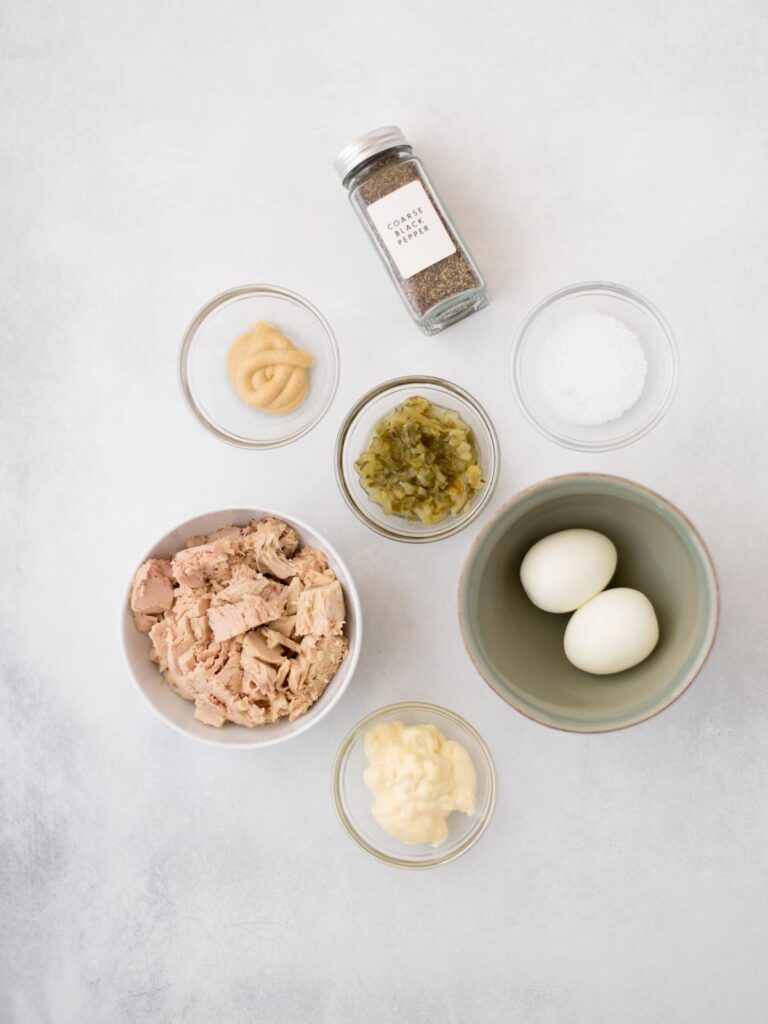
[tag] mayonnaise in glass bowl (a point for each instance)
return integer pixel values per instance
(353, 799)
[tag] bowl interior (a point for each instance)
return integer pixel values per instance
(653, 335)
(179, 712)
(204, 365)
(355, 798)
(519, 649)
(359, 431)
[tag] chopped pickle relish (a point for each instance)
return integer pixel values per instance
(421, 463)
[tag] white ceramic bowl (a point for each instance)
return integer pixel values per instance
(179, 713)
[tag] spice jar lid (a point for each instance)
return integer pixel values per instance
(365, 146)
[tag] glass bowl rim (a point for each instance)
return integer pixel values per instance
(183, 363)
(588, 288)
(472, 836)
(453, 525)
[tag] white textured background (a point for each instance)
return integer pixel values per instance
(154, 154)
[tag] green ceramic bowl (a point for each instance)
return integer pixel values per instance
(518, 649)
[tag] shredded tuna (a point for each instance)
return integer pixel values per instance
(275, 638)
(245, 604)
(313, 669)
(151, 593)
(209, 712)
(311, 566)
(292, 594)
(230, 636)
(256, 647)
(286, 624)
(206, 563)
(270, 544)
(321, 611)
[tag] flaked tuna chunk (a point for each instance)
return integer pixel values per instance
(207, 563)
(245, 704)
(223, 532)
(282, 675)
(194, 567)
(144, 622)
(209, 712)
(244, 580)
(255, 646)
(270, 544)
(222, 661)
(222, 677)
(229, 620)
(214, 710)
(286, 624)
(321, 611)
(292, 595)
(180, 685)
(244, 605)
(276, 639)
(191, 609)
(311, 566)
(151, 593)
(259, 676)
(174, 653)
(316, 665)
(257, 711)
(185, 626)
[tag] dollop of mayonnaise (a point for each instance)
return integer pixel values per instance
(418, 778)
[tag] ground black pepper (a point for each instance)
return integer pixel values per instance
(447, 289)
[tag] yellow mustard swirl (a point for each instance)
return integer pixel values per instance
(268, 371)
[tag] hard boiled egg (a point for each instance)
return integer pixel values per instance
(564, 570)
(614, 631)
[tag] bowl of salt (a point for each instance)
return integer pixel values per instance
(594, 366)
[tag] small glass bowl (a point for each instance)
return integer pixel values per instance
(653, 333)
(203, 373)
(356, 432)
(353, 799)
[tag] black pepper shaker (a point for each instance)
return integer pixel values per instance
(421, 247)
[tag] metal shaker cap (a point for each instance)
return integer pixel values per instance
(365, 146)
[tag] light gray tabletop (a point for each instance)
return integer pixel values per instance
(155, 154)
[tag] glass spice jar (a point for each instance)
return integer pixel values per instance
(421, 247)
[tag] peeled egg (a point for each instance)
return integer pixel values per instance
(564, 570)
(614, 631)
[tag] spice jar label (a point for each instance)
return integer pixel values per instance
(411, 229)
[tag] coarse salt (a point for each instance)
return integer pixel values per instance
(591, 369)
